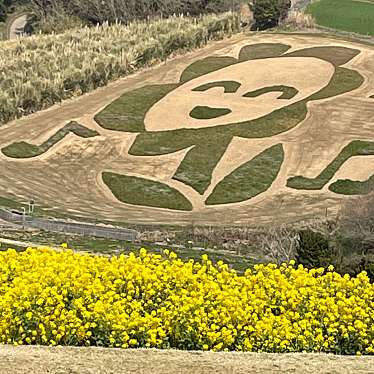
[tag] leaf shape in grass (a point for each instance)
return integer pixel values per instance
(349, 187)
(27, 150)
(197, 167)
(250, 179)
(355, 148)
(337, 56)
(128, 112)
(287, 92)
(205, 66)
(145, 192)
(206, 112)
(262, 50)
(229, 86)
(343, 81)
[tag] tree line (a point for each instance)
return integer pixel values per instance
(98, 11)
(4, 6)
(59, 15)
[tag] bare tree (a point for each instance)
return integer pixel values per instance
(279, 244)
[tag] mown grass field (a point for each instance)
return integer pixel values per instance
(347, 15)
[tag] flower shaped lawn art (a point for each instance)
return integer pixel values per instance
(261, 94)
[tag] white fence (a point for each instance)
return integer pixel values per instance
(69, 227)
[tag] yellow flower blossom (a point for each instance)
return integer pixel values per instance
(63, 298)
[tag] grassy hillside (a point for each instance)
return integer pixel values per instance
(347, 15)
(43, 70)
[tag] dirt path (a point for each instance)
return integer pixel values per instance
(17, 27)
(18, 243)
(67, 178)
(25, 360)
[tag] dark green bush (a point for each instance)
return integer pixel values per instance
(313, 249)
(268, 13)
(3, 11)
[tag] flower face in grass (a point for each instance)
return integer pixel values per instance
(262, 93)
(246, 90)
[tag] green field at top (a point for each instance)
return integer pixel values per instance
(346, 15)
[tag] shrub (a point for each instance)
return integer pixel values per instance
(355, 238)
(299, 19)
(313, 249)
(3, 11)
(268, 13)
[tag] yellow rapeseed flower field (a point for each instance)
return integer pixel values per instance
(148, 300)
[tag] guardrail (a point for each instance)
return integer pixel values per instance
(69, 227)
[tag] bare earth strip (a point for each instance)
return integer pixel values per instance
(22, 360)
(68, 177)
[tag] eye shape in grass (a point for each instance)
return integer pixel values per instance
(228, 86)
(286, 92)
(206, 112)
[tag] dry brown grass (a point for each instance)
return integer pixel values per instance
(299, 20)
(40, 360)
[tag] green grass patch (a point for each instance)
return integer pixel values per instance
(128, 112)
(27, 150)
(335, 55)
(349, 187)
(140, 191)
(206, 112)
(197, 167)
(262, 50)
(228, 86)
(355, 148)
(287, 92)
(343, 81)
(205, 66)
(346, 15)
(11, 204)
(250, 179)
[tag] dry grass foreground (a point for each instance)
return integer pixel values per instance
(42, 360)
(68, 176)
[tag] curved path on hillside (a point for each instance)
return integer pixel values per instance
(17, 27)
(67, 178)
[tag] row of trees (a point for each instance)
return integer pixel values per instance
(99, 11)
(4, 6)
(57, 15)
